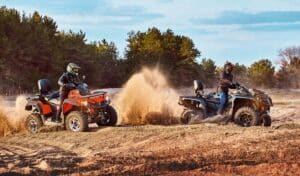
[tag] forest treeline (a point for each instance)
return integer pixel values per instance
(32, 47)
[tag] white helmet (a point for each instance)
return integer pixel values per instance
(73, 68)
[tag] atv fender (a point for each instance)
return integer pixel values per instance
(201, 102)
(242, 101)
(68, 105)
(28, 106)
(34, 107)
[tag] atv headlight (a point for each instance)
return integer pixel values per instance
(107, 99)
(84, 103)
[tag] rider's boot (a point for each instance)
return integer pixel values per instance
(57, 117)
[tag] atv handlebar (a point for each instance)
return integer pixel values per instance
(242, 88)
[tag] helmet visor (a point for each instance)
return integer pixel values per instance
(76, 70)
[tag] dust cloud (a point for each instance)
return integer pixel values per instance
(147, 98)
(5, 126)
(12, 117)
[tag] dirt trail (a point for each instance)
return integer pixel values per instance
(155, 150)
(203, 149)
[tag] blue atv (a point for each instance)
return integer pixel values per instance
(245, 107)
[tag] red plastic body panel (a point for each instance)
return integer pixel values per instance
(75, 100)
(46, 108)
(67, 107)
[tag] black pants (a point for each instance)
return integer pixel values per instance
(62, 96)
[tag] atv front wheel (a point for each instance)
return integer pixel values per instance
(266, 119)
(246, 116)
(77, 121)
(33, 123)
(110, 117)
(192, 116)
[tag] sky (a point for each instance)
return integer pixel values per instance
(234, 30)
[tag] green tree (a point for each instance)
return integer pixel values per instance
(289, 72)
(208, 72)
(240, 74)
(175, 54)
(32, 48)
(261, 73)
(107, 65)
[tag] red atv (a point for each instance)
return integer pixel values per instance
(79, 109)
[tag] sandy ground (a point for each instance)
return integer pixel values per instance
(202, 149)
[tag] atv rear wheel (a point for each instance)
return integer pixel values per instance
(192, 116)
(33, 123)
(110, 117)
(77, 121)
(246, 116)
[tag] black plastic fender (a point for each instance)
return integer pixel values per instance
(192, 102)
(33, 106)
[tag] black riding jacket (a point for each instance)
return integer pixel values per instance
(67, 78)
(226, 82)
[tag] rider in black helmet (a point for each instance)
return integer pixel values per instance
(225, 83)
(67, 81)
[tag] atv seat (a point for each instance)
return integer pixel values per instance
(45, 89)
(53, 95)
(214, 100)
(212, 97)
(53, 98)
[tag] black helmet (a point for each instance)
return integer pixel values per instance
(198, 87)
(73, 68)
(228, 66)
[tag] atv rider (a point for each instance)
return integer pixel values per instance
(225, 83)
(67, 81)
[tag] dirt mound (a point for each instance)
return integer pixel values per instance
(144, 93)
